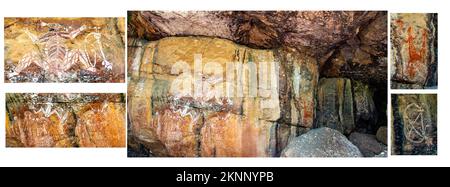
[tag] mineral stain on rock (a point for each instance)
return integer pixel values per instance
(255, 83)
(65, 120)
(414, 51)
(64, 50)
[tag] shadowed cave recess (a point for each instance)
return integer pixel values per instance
(328, 98)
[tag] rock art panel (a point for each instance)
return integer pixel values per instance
(335, 105)
(64, 50)
(414, 124)
(414, 51)
(65, 120)
(229, 106)
(251, 83)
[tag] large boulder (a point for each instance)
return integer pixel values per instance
(382, 135)
(367, 144)
(322, 142)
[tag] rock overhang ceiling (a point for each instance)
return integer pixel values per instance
(345, 43)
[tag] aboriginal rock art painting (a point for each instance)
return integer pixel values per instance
(64, 50)
(65, 120)
(414, 51)
(414, 124)
(257, 83)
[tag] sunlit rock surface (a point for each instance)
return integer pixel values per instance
(61, 54)
(414, 51)
(414, 128)
(163, 110)
(65, 120)
(184, 101)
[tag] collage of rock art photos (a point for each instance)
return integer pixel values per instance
(227, 83)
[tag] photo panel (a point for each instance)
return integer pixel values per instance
(257, 83)
(64, 50)
(65, 120)
(414, 51)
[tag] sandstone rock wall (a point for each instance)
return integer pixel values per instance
(335, 105)
(414, 124)
(176, 105)
(211, 125)
(346, 105)
(414, 51)
(18, 45)
(70, 120)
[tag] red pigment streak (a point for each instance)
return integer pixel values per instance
(399, 24)
(306, 113)
(414, 54)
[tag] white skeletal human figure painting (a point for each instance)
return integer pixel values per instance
(417, 126)
(414, 129)
(63, 49)
(55, 58)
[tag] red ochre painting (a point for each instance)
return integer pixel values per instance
(414, 51)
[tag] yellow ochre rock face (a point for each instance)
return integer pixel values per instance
(99, 39)
(75, 120)
(204, 96)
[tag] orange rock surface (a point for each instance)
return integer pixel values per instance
(181, 124)
(76, 124)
